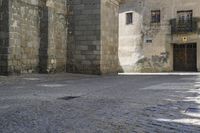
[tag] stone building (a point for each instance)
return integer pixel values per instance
(98, 36)
(58, 35)
(159, 35)
(93, 36)
(33, 36)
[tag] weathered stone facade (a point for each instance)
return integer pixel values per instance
(57, 36)
(84, 36)
(34, 34)
(23, 36)
(109, 36)
(53, 36)
(90, 36)
(93, 40)
(4, 36)
(136, 53)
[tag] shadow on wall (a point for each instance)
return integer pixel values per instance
(44, 40)
(4, 38)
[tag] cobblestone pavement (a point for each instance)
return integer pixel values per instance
(71, 103)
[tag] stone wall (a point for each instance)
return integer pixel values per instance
(37, 34)
(24, 36)
(84, 37)
(93, 36)
(109, 36)
(135, 52)
(130, 36)
(54, 36)
(53, 32)
(4, 36)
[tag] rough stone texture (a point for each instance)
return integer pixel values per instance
(24, 37)
(37, 34)
(53, 30)
(93, 41)
(84, 36)
(107, 104)
(4, 36)
(109, 36)
(89, 36)
(137, 55)
(38, 39)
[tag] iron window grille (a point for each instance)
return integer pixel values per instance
(155, 16)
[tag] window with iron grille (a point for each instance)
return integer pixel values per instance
(184, 19)
(129, 18)
(155, 16)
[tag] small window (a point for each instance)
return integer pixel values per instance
(129, 18)
(155, 16)
(148, 41)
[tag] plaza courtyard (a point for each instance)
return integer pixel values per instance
(74, 103)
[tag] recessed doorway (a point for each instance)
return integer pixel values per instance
(185, 57)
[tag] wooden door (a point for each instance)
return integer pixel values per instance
(185, 57)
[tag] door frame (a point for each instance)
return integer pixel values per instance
(196, 62)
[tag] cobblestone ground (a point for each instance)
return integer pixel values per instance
(70, 103)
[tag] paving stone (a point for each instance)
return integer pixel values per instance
(108, 104)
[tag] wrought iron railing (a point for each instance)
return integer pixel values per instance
(183, 26)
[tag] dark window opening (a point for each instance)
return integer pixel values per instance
(184, 20)
(155, 16)
(149, 41)
(129, 18)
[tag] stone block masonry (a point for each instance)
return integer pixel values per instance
(84, 37)
(4, 36)
(53, 32)
(109, 36)
(23, 36)
(33, 36)
(51, 36)
(92, 39)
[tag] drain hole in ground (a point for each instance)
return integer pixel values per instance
(68, 97)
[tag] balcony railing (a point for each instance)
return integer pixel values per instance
(183, 26)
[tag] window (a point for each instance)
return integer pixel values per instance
(184, 20)
(148, 41)
(155, 16)
(184, 16)
(129, 18)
